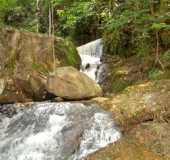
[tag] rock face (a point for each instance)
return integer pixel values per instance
(27, 59)
(71, 84)
(154, 135)
(143, 113)
(138, 103)
(125, 149)
(147, 141)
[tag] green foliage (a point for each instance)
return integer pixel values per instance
(18, 13)
(155, 74)
(7, 4)
(128, 27)
(76, 19)
(166, 56)
(159, 26)
(79, 21)
(40, 68)
(73, 58)
(119, 85)
(131, 29)
(66, 52)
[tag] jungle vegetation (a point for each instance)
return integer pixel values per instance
(128, 27)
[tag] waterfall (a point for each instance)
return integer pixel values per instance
(91, 54)
(55, 131)
(94, 48)
(58, 131)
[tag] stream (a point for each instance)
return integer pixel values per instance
(58, 131)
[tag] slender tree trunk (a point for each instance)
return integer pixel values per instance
(38, 9)
(50, 21)
(151, 8)
(162, 7)
(51, 32)
(157, 60)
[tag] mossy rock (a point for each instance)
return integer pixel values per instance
(30, 58)
(137, 103)
(67, 53)
(119, 85)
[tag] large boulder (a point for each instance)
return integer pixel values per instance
(125, 150)
(71, 84)
(146, 141)
(139, 103)
(143, 113)
(27, 59)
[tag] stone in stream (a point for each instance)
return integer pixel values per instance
(71, 84)
(26, 59)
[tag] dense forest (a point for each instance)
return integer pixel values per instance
(128, 27)
(131, 24)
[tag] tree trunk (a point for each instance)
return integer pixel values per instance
(157, 60)
(50, 21)
(37, 14)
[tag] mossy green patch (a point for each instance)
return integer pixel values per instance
(40, 68)
(119, 85)
(157, 74)
(67, 53)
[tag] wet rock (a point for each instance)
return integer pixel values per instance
(7, 110)
(139, 103)
(146, 141)
(155, 136)
(125, 150)
(69, 83)
(58, 99)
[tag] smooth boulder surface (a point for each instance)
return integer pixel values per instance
(146, 141)
(71, 84)
(143, 113)
(125, 150)
(26, 59)
(139, 103)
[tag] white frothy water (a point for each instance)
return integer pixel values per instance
(56, 131)
(91, 54)
(108, 134)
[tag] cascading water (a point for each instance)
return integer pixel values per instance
(58, 131)
(91, 54)
(55, 131)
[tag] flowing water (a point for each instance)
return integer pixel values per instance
(55, 131)
(91, 54)
(58, 131)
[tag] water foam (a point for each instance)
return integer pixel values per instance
(56, 131)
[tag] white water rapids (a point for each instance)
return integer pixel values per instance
(58, 131)
(55, 131)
